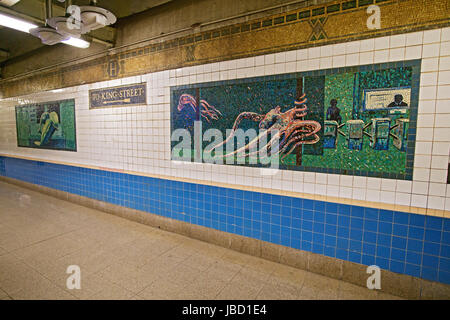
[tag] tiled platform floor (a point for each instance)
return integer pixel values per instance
(41, 236)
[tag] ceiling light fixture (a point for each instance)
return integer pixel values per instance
(8, 3)
(94, 18)
(47, 35)
(91, 18)
(17, 24)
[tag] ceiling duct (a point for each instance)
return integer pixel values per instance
(48, 9)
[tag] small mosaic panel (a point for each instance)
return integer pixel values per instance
(48, 125)
(354, 121)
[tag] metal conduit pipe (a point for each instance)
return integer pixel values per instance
(48, 10)
(68, 4)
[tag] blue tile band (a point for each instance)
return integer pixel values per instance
(401, 242)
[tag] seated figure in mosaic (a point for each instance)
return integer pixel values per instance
(49, 123)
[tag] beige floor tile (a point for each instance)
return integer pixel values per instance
(207, 285)
(16, 276)
(328, 295)
(243, 286)
(200, 262)
(150, 295)
(252, 275)
(3, 294)
(239, 291)
(289, 275)
(48, 250)
(348, 291)
(90, 260)
(224, 270)
(386, 296)
(90, 285)
(10, 240)
(185, 275)
(41, 289)
(290, 288)
(169, 259)
(161, 289)
(261, 265)
(320, 282)
(279, 292)
(135, 256)
(3, 251)
(41, 236)
(112, 292)
(117, 270)
(181, 252)
(189, 295)
(128, 276)
(236, 257)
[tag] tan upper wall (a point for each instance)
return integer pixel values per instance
(289, 28)
(182, 14)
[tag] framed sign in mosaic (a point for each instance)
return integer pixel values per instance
(354, 120)
(47, 125)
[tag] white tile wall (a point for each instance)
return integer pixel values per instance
(137, 138)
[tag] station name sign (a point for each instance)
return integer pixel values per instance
(129, 95)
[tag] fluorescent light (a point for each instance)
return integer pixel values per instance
(8, 3)
(79, 43)
(15, 23)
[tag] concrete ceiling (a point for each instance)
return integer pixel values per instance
(14, 44)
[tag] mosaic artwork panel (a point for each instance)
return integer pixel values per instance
(48, 125)
(354, 121)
